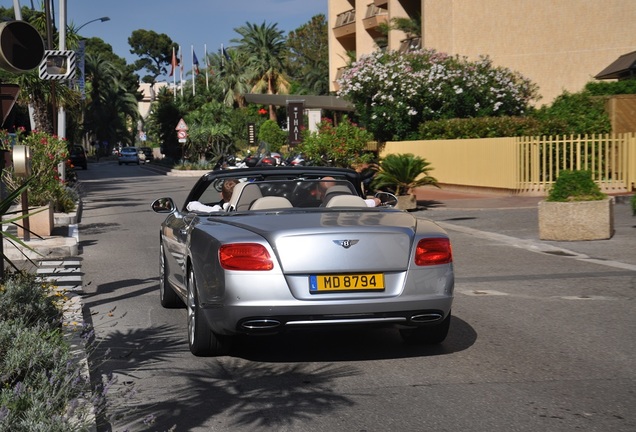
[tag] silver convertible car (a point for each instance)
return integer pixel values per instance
(298, 247)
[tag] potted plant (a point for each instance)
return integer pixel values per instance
(47, 192)
(401, 174)
(576, 209)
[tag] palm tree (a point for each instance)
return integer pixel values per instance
(401, 173)
(111, 109)
(36, 93)
(412, 26)
(233, 76)
(264, 46)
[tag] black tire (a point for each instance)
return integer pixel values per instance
(119, 163)
(201, 339)
(427, 335)
(167, 296)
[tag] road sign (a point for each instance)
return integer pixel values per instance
(182, 126)
(182, 134)
(8, 96)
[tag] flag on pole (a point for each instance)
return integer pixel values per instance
(195, 62)
(173, 64)
(207, 66)
(181, 68)
(224, 56)
(174, 75)
(195, 70)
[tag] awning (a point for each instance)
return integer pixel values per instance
(621, 68)
(332, 103)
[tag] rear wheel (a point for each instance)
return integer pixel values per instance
(167, 296)
(427, 335)
(201, 339)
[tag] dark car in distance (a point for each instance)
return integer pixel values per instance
(77, 156)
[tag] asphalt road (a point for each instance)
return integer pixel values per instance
(540, 341)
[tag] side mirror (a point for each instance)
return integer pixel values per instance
(163, 205)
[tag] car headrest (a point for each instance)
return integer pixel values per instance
(338, 190)
(346, 201)
(271, 202)
(243, 195)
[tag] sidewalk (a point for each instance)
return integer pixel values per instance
(62, 243)
(515, 220)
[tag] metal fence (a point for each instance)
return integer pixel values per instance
(527, 165)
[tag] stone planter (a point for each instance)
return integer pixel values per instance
(407, 202)
(577, 220)
(41, 221)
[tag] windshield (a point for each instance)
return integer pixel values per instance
(297, 193)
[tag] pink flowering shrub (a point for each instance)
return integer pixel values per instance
(47, 152)
(394, 92)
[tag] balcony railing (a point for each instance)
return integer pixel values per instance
(373, 10)
(345, 18)
(374, 17)
(410, 44)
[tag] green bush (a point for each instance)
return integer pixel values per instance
(581, 113)
(21, 297)
(343, 145)
(273, 135)
(575, 186)
(490, 127)
(608, 88)
(41, 387)
(633, 203)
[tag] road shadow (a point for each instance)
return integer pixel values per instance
(347, 345)
(265, 383)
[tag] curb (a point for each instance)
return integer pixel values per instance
(66, 277)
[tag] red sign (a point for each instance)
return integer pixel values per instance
(182, 126)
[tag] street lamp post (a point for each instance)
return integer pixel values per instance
(102, 19)
(61, 119)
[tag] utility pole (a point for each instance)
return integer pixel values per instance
(61, 119)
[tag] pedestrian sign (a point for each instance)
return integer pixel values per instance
(182, 126)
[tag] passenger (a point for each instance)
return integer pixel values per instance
(328, 188)
(226, 194)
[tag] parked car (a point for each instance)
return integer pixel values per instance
(278, 260)
(77, 156)
(148, 153)
(128, 155)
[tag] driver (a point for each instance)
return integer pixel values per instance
(226, 194)
(328, 188)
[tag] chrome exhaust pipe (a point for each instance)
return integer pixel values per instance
(260, 324)
(426, 318)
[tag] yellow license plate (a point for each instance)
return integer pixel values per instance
(346, 282)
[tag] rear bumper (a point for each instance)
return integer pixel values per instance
(277, 319)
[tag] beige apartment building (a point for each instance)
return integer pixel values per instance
(558, 44)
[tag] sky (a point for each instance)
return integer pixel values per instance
(186, 22)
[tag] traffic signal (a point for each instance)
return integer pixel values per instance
(21, 47)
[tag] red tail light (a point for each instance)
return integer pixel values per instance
(433, 251)
(245, 256)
